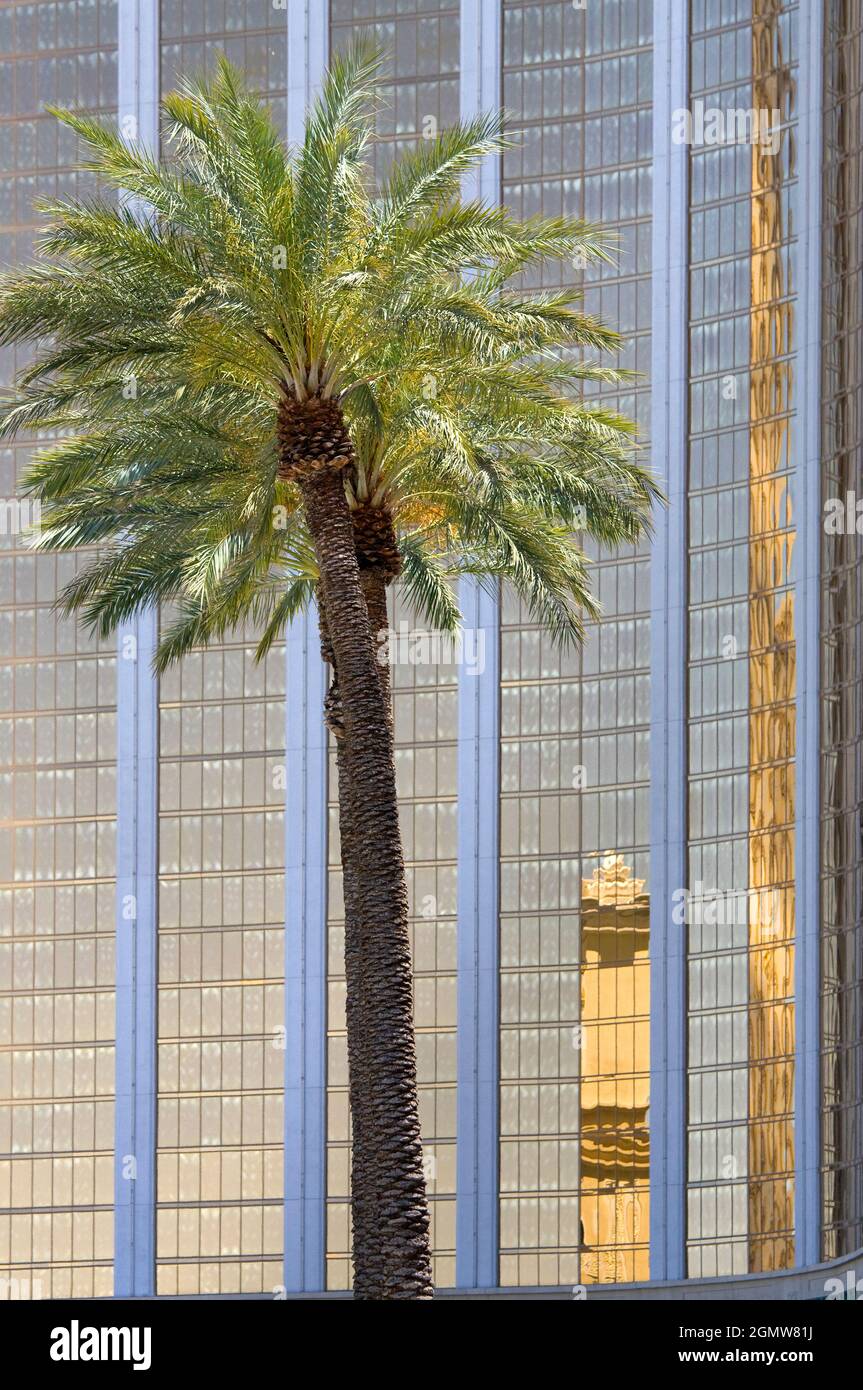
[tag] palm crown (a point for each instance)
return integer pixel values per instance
(184, 346)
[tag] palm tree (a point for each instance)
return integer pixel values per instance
(282, 385)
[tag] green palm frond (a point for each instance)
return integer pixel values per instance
(431, 174)
(428, 585)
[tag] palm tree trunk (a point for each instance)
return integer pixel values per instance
(379, 979)
(369, 1274)
(367, 1250)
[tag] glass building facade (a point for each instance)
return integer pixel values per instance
(57, 757)
(559, 942)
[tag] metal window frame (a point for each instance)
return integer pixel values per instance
(306, 840)
(669, 391)
(137, 806)
(478, 945)
(306, 758)
(807, 585)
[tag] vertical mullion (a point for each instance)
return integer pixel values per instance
(668, 649)
(807, 512)
(477, 1131)
(305, 958)
(137, 806)
(306, 760)
(308, 55)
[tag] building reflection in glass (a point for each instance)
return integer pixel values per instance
(615, 1085)
(742, 685)
(772, 656)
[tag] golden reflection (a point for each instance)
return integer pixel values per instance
(615, 1085)
(771, 684)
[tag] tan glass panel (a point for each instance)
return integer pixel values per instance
(57, 758)
(420, 39)
(574, 757)
(615, 1087)
(221, 885)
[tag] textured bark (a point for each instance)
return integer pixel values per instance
(369, 1273)
(376, 543)
(312, 438)
(368, 1256)
(379, 983)
(374, 586)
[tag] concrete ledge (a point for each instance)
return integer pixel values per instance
(793, 1285)
(785, 1286)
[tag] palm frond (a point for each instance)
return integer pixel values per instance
(428, 585)
(167, 344)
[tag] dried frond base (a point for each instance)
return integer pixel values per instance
(375, 540)
(334, 718)
(312, 437)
